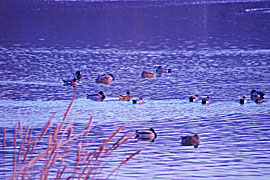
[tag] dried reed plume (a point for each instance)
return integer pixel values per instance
(44, 154)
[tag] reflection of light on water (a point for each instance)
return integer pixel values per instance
(113, 110)
(31, 83)
(258, 10)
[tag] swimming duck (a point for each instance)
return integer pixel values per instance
(206, 100)
(70, 82)
(138, 101)
(125, 97)
(163, 70)
(148, 74)
(96, 97)
(243, 100)
(105, 79)
(191, 141)
(146, 135)
(78, 75)
(254, 95)
(194, 98)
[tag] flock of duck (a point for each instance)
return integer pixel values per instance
(150, 134)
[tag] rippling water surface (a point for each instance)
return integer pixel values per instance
(215, 48)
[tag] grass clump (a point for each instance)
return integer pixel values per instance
(56, 152)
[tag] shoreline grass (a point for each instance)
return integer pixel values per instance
(50, 152)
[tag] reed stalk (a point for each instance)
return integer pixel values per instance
(46, 128)
(124, 161)
(34, 145)
(56, 131)
(89, 126)
(69, 107)
(67, 128)
(4, 139)
(107, 140)
(28, 147)
(62, 172)
(22, 144)
(15, 137)
(26, 133)
(20, 127)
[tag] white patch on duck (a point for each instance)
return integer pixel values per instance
(163, 70)
(194, 98)
(243, 100)
(206, 100)
(138, 101)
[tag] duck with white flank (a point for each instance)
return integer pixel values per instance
(243, 100)
(138, 101)
(146, 135)
(191, 141)
(125, 97)
(206, 100)
(194, 98)
(105, 79)
(70, 82)
(257, 96)
(163, 70)
(96, 97)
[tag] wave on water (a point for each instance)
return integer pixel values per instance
(258, 10)
(30, 83)
(184, 2)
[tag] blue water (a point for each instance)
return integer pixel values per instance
(219, 49)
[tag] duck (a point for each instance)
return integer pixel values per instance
(191, 141)
(163, 70)
(138, 101)
(70, 82)
(194, 98)
(96, 97)
(105, 79)
(146, 74)
(125, 97)
(146, 135)
(254, 95)
(206, 100)
(243, 100)
(78, 75)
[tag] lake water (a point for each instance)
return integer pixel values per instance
(214, 48)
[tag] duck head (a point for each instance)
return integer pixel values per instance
(112, 76)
